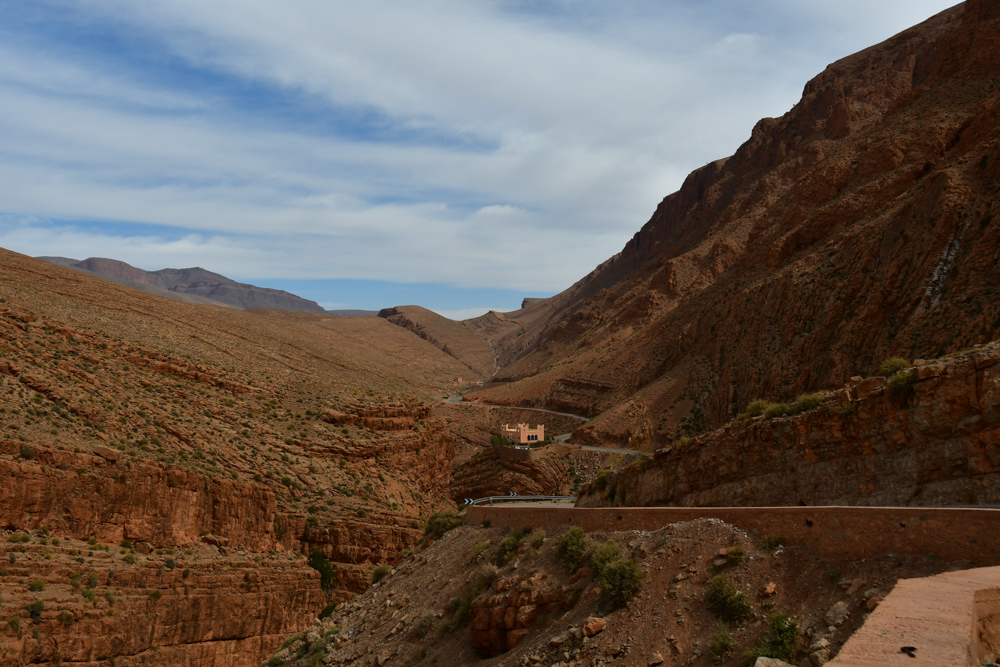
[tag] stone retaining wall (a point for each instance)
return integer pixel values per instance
(845, 532)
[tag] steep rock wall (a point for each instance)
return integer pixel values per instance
(864, 446)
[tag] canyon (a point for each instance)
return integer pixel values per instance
(187, 483)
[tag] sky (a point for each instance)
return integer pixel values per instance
(457, 154)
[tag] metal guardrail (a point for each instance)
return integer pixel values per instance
(489, 500)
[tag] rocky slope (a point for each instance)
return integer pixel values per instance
(446, 604)
(124, 416)
(860, 225)
(927, 436)
(194, 285)
(456, 339)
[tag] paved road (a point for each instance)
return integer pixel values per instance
(457, 400)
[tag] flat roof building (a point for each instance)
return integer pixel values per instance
(523, 434)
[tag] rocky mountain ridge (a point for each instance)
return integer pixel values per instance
(858, 226)
(196, 285)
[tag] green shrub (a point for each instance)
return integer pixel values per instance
(14, 622)
(423, 626)
(327, 611)
(805, 403)
(129, 559)
(36, 585)
(721, 643)
(486, 523)
(27, 452)
(572, 548)
(92, 580)
(772, 542)
(318, 562)
(778, 642)
(537, 539)
(602, 479)
(35, 610)
(755, 409)
(126, 544)
(273, 661)
(903, 385)
(486, 576)
(892, 366)
(620, 581)
(65, 618)
(506, 549)
(88, 594)
(603, 555)
(775, 410)
(464, 609)
(735, 554)
(727, 602)
(441, 522)
(18, 538)
(379, 573)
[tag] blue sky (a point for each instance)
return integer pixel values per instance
(465, 153)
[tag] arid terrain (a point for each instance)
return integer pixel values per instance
(188, 483)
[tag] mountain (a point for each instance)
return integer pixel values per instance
(196, 285)
(183, 443)
(858, 226)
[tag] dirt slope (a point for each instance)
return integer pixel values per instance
(126, 416)
(532, 611)
(860, 225)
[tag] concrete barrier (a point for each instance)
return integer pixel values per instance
(844, 532)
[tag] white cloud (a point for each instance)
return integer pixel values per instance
(555, 133)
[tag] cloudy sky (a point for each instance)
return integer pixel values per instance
(459, 154)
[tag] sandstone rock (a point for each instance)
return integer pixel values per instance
(770, 588)
(215, 540)
(107, 453)
(820, 657)
(593, 626)
(514, 637)
(771, 662)
(873, 602)
(144, 547)
(837, 614)
(855, 586)
(655, 659)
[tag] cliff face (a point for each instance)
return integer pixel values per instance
(860, 225)
(197, 435)
(490, 473)
(866, 445)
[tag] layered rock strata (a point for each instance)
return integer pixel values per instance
(935, 442)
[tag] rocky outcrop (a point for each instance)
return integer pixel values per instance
(860, 225)
(193, 285)
(92, 497)
(488, 473)
(502, 620)
(936, 442)
(122, 607)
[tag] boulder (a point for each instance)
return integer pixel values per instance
(594, 626)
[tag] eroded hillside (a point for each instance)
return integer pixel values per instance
(128, 418)
(448, 603)
(860, 225)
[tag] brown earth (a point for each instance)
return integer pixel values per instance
(128, 416)
(193, 285)
(864, 445)
(456, 339)
(532, 611)
(98, 605)
(859, 225)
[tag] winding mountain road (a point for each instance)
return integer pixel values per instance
(456, 399)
